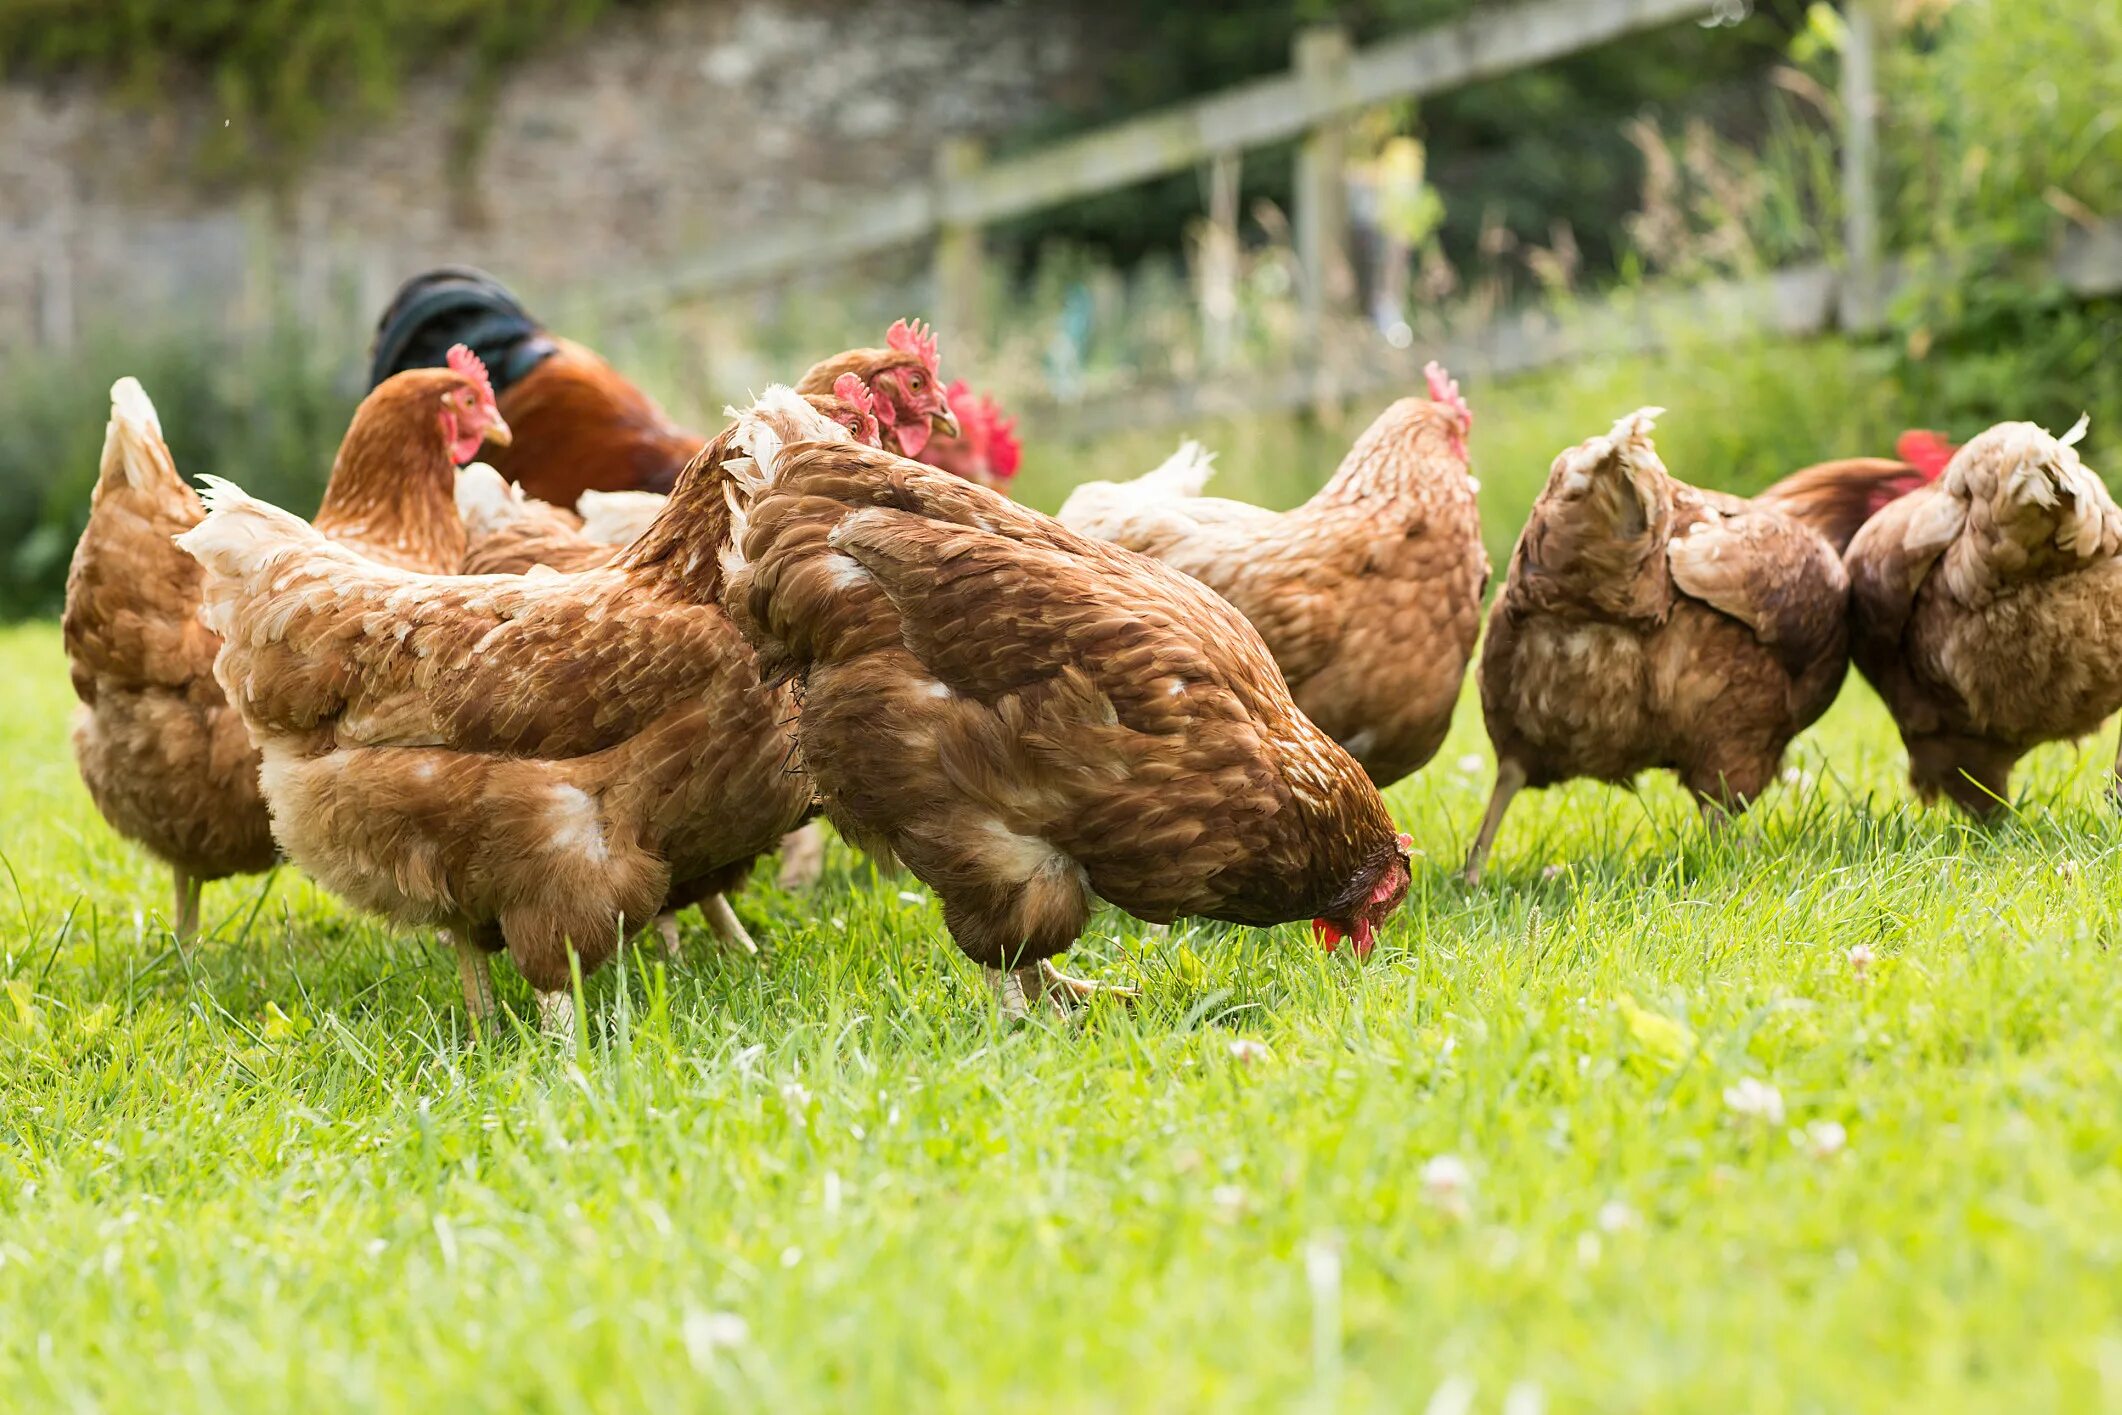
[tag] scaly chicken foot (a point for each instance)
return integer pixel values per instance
(1015, 989)
(1510, 780)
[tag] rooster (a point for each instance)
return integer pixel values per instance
(1031, 719)
(1648, 623)
(166, 761)
(1987, 611)
(532, 763)
(1369, 594)
(580, 425)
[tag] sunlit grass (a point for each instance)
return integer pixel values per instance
(267, 1171)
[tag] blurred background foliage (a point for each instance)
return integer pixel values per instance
(1692, 154)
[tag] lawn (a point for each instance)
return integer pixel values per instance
(1524, 1159)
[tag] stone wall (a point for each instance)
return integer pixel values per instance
(605, 158)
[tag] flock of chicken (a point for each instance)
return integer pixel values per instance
(541, 701)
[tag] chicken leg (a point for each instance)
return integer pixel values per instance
(475, 974)
(727, 928)
(1510, 780)
(556, 1015)
(185, 911)
(802, 858)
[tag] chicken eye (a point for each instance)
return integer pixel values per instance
(914, 383)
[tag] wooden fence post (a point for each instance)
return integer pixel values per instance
(1322, 62)
(1219, 262)
(958, 257)
(1862, 297)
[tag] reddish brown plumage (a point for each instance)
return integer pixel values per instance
(166, 761)
(1835, 498)
(1029, 718)
(1647, 623)
(1987, 611)
(1369, 594)
(514, 534)
(580, 425)
(538, 762)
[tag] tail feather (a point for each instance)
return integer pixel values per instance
(779, 417)
(1106, 509)
(456, 304)
(242, 536)
(133, 449)
(1184, 473)
(2048, 491)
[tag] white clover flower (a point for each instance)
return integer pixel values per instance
(1860, 958)
(1448, 1185)
(1755, 1100)
(1617, 1217)
(1823, 1139)
(705, 1333)
(1245, 1051)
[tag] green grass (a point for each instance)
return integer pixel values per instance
(268, 1172)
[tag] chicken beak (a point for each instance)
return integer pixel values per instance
(497, 432)
(944, 423)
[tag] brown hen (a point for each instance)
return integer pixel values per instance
(1648, 623)
(536, 763)
(1368, 595)
(1987, 611)
(1031, 719)
(165, 760)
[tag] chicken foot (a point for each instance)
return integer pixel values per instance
(1015, 988)
(1510, 780)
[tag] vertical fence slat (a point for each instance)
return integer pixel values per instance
(1219, 262)
(1321, 218)
(958, 253)
(1861, 291)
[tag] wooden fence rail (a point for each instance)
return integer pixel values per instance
(1327, 82)
(1792, 303)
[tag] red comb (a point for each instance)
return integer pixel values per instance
(849, 388)
(467, 365)
(1444, 391)
(989, 433)
(916, 338)
(1928, 452)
